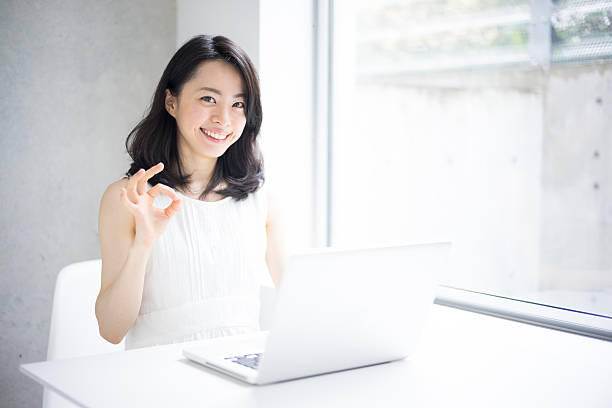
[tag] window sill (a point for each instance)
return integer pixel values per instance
(573, 321)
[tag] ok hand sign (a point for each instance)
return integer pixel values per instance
(150, 221)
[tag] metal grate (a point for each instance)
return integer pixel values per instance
(581, 31)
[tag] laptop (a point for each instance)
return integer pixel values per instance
(335, 310)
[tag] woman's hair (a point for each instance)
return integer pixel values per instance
(154, 139)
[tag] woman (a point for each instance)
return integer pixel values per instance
(184, 259)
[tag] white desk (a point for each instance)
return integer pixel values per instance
(467, 359)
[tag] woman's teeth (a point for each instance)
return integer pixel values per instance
(214, 135)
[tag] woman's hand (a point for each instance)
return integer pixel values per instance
(150, 221)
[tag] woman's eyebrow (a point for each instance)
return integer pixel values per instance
(218, 92)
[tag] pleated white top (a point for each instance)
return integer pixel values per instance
(204, 272)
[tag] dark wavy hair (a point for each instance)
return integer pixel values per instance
(154, 139)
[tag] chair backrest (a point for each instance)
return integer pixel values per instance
(74, 327)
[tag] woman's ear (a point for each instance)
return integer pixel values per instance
(170, 103)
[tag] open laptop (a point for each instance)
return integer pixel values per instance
(335, 310)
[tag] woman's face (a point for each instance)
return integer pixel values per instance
(209, 110)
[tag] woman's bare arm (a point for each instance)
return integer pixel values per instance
(128, 227)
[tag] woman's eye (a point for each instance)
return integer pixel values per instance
(208, 99)
(239, 105)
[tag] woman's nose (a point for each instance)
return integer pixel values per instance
(221, 116)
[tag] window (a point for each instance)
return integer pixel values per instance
(483, 122)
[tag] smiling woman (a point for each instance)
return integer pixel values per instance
(190, 267)
(209, 85)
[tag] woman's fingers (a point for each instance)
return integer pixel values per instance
(142, 183)
(165, 190)
(133, 208)
(160, 188)
(138, 181)
(131, 185)
(173, 208)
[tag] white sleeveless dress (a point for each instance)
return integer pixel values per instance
(204, 272)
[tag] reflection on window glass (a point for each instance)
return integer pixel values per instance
(487, 123)
(432, 35)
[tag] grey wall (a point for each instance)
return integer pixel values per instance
(235, 19)
(576, 180)
(76, 77)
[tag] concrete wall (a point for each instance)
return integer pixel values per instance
(449, 157)
(512, 165)
(77, 76)
(235, 19)
(576, 180)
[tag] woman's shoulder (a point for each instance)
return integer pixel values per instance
(118, 185)
(114, 188)
(111, 198)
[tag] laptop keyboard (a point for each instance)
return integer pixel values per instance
(247, 360)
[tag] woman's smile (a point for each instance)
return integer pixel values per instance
(215, 136)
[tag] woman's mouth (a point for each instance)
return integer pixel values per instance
(215, 137)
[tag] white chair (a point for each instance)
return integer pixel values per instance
(74, 327)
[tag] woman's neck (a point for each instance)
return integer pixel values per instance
(200, 169)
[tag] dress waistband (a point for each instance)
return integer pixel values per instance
(164, 326)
